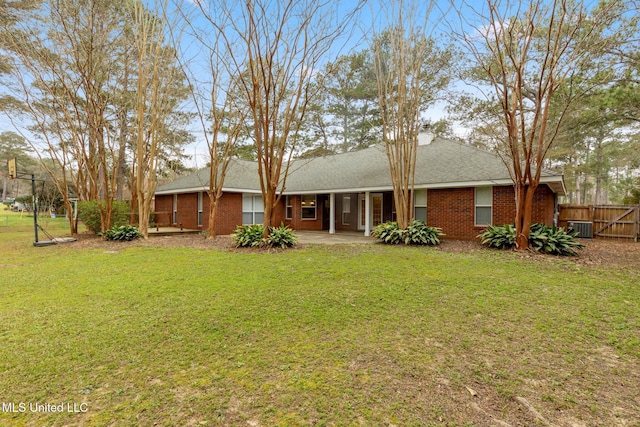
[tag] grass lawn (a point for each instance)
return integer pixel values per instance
(337, 335)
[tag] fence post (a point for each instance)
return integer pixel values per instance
(637, 224)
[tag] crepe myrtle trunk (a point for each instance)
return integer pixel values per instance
(524, 213)
(213, 208)
(270, 201)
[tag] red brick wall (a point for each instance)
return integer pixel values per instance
(163, 209)
(296, 222)
(504, 207)
(188, 210)
(452, 209)
(228, 213)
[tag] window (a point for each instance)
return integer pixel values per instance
(420, 205)
(200, 209)
(484, 202)
(289, 207)
(175, 209)
(252, 209)
(346, 210)
(308, 203)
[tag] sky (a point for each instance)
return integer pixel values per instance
(442, 22)
(355, 38)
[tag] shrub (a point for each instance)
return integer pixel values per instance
(389, 232)
(249, 236)
(499, 236)
(418, 233)
(89, 214)
(554, 240)
(125, 233)
(542, 238)
(282, 237)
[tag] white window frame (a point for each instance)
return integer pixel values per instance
(252, 205)
(420, 202)
(346, 210)
(175, 209)
(288, 211)
(200, 209)
(311, 207)
(478, 205)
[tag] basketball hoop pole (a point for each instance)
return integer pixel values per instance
(35, 209)
(13, 174)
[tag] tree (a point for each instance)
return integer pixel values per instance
(220, 112)
(62, 60)
(159, 92)
(11, 13)
(411, 71)
(14, 146)
(274, 49)
(74, 87)
(350, 103)
(524, 54)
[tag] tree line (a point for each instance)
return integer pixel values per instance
(109, 90)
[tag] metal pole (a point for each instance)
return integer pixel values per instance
(35, 207)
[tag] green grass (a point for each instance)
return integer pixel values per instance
(16, 222)
(340, 335)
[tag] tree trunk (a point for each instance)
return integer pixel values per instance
(213, 208)
(144, 211)
(73, 223)
(269, 210)
(524, 213)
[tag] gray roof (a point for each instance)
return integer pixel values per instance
(440, 164)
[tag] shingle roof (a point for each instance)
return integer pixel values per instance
(443, 163)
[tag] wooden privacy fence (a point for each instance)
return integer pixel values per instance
(614, 221)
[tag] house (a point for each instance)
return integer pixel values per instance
(458, 188)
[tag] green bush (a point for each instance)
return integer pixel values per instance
(125, 233)
(554, 240)
(282, 237)
(89, 214)
(249, 236)
(418, 233)
(542, 238)
(389, 232)
(499, 236)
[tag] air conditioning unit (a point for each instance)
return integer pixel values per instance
(584, 228)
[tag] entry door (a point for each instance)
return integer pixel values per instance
(376, 210)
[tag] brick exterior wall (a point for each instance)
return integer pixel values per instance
(504, 208)
(163, 209)
(452, 209)
(228, 214)
(296, 222)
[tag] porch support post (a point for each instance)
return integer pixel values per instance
(367, 214)
(332, 213)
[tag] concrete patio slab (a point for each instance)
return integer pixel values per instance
(323, 237)
(168, 231)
